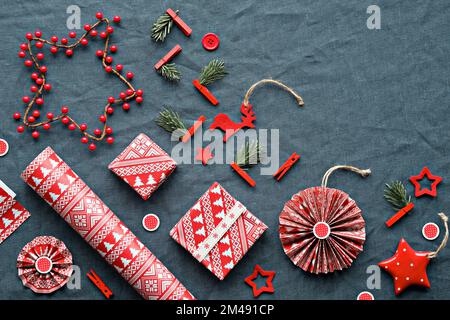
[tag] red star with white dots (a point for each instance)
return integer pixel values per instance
(407, 267)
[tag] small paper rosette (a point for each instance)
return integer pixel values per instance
(44, 264)
(322, 230)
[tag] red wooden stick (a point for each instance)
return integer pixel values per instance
(400, 214)
(191, 131)
(169, 56)
(243, 174)
(179, 22)
(205, 92)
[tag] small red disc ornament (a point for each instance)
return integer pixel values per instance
(322, 229)
(150, 222)
(45, 264)
(430, 231)
(4, 147)
(210, 41)
(365, 295)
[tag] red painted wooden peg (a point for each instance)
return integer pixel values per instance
(244, 175)
(224, 123)
(403, 211)
(99, 284)
(169, 56)
(286, 166)
(193, 129)
(205, 92)
(179, 22)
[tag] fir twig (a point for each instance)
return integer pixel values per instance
(250, 154)
(213, 71)
(395, 194)
(169, 71)
(171, 121)
(162, 27)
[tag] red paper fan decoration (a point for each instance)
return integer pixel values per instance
(322, 229)
(44, 264)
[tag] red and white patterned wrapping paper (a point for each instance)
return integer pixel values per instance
(317, 205)
(143, 165)
(86, 213)
(12, 213)
(218, 230)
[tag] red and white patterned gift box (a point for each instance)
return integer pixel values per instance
(218, 230)
(12, 213)
(143, 165)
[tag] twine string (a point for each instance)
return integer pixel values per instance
(444, 219)
(362, 172)
(277, 83)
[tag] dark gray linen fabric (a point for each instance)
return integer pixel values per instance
(373, 98)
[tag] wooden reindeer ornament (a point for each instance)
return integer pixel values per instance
(229, 127)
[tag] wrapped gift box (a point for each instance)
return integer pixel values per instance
(218, 230)
(143, 165)
(12, 213)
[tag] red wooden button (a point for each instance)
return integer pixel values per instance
(430, 231)
(4, 147)
(365, 295)
(321, 230)
(210, 41)
(150, 222)
(43, 265)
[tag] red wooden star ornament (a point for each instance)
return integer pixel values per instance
(268, 287)
(415, 180)
(409, 267)
(204, 155)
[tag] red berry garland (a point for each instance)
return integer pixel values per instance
(30, 116)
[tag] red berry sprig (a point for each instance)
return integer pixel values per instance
(30, 117)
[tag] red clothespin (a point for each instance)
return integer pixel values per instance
(243, 174)
(99, 284)
(402, 212)
(169, 56)
(205, 92)
(191, 131)
(286, 166)
(179, 22)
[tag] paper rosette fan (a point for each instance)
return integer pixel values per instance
(321, 229)
(44, 264)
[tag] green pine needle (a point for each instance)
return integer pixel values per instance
(249, 154)
(170, 121)
(395, 194)
(162, 27)
(169, 71)
(213, 71)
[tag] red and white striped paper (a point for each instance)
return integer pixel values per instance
(86, 213)
(12, 213)
(218, 230)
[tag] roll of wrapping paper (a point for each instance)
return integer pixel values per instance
(86, 213)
